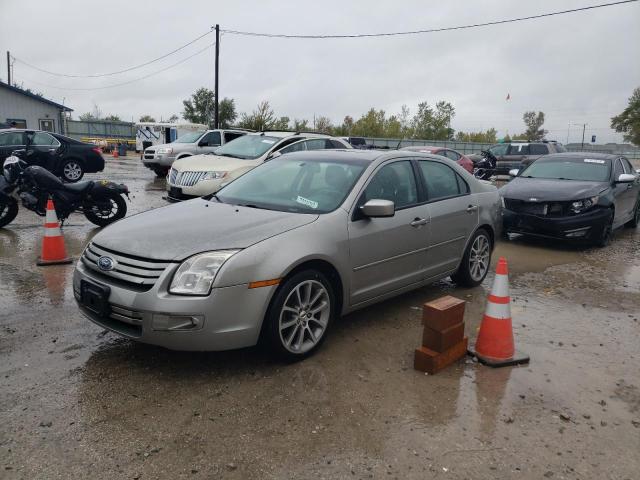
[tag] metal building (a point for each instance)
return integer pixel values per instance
(22, 109)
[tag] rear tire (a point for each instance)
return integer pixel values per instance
(300, 315)
(476, 260)
(72, 171)
(104, 217)
(8, 211)
(633, 223)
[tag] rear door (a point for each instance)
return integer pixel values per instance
(10, 141)
(454, 216)
(388, 254)
(626, 194)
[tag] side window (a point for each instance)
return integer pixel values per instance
(11, 139)
(618, 169)
(500, 149)
(335, 144)
(560, 148)
(228, 136)
(212, 139)
(519, 149)
(627, 165)
(538, 149)
(441, 181)
(294, 147)
(395, 182)
(451, 155)
(43, 140)
(318, 144)
(286, 142)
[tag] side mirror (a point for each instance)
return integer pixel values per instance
(513, 172)
(626, 178)
(638, 171)
(378, 208)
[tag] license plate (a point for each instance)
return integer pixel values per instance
(95, 298)
(175, 192)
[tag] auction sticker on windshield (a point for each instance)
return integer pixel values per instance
(592, 160)
(270, 142)
(307, 202)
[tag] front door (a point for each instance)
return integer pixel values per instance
(626, 194)
(43, 149)
(388, 253)
(454, 216)
(209, 142)
(10, 141)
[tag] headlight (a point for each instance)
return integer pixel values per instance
(214, 175)
(196, 274)
(164, 150)
(580, 206)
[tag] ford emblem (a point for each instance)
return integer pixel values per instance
(106, 263)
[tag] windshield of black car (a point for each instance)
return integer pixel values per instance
(190, 137)
(247, 147)
(582, 169)
(288, 185)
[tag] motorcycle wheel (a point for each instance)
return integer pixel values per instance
(106, 211)
(8, 211)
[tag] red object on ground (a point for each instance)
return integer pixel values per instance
(53, 249)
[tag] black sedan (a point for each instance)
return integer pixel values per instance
(63, 156)
(572, 196)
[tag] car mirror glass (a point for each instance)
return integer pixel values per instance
(378, 208)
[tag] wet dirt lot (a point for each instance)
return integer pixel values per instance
(77, 401)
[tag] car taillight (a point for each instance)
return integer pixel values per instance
(98, 150)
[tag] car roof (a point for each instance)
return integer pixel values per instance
(417, 148)
(594, 155)
(357, 155)
(286, 134)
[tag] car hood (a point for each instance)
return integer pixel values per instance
(168, 145)
(550, 190)
(178, 231)
(205, 163)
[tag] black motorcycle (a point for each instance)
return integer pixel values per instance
(485, 168)
(101, 201)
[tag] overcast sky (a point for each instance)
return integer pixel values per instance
(579, 67)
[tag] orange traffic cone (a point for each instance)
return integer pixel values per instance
(114, 152)
(494, 346)
(53, 249)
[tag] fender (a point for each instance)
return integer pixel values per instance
(105, 188)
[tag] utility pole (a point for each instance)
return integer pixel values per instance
(584, 126)
(216, 93)
(8, 68)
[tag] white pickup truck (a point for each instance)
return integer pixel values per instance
(159, 158)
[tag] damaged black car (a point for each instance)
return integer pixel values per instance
(572, 196)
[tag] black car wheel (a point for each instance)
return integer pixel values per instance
(72, 171)
(8, 211)
(475, 262)
(299, 315)
(635, 221)
(606, 233)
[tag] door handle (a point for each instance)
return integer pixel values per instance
(418, 222)
(52, 150)
(472, 208)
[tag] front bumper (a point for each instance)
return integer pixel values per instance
(230, 317)
(584, 226)
(152, 160)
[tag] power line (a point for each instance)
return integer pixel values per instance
(96, 75)
(130, 81)
(430, 30)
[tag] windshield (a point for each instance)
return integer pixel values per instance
(288, 185)
(584, 169)
(247, 147)
(190, 137)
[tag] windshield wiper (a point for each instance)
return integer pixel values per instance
(226, 155)
(252, 205)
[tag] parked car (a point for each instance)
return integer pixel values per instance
(204, 174)
(457, 157)
(573, 196)
(159, 158)
(65, 157)
(282, 251)
(518, 154)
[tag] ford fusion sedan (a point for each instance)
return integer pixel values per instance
(572, 196)
(205, 174)
(280, 253)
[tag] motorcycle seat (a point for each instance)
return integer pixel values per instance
(79, 187)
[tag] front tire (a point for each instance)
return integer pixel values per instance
(72, 171)
(606, 234)
(8, 211)
(476, 260)
(299, 315)
(106, 211)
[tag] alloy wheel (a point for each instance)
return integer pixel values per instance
(479, 257)
(304, 316)
(106, 210)
(72, 171)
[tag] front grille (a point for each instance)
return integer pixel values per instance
(130, 269)
(187, 179)
(541, 209)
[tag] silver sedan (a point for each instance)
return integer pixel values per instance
(283, 251)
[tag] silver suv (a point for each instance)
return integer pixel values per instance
(159, 158)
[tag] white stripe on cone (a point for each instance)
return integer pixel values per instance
(498, 310)
(51, 216)
(52, 232)
(500, 286)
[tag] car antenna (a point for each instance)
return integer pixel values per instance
(399, 143)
